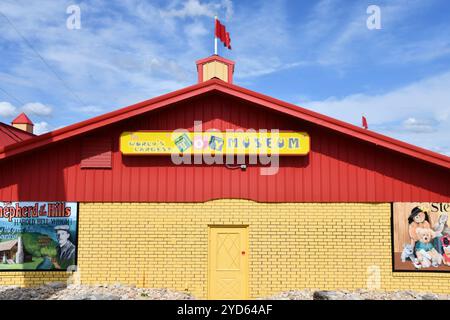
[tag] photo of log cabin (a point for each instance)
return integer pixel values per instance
(13, 252)
(37, 236)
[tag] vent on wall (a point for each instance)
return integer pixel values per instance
(96, 153)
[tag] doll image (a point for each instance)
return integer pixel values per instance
(425, 250)
(441, 226)
(408, 254)
(417, 219)
(446, 248)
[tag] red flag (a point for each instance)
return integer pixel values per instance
(222, 34)
(364, 123)
(217, 31)
(228, 41)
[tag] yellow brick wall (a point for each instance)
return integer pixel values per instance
(31, 279)
(292, 246)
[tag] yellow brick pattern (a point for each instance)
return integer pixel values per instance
(31, 279)
(291, 246)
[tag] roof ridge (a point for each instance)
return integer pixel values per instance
(10, 133)
(22, 118)
(237, 91)
(12, 128)
(321, 116)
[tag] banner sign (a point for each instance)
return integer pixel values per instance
(421, 236)
(38, 235)
(226, 143)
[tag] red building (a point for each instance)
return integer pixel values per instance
(346, 169)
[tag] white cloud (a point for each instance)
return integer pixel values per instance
(420, 51)
(417, 113)
(262, 42)
(157, 57)
(37, 108)
(168, 67)
(7, 109)
(336, 35)
(194, 8)
(95, 61)
(229, 10)
(195, 30)
(418, 126)
(90, 109)
(41, 128)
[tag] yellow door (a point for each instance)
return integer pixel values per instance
(228, 262)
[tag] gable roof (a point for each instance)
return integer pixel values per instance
(11, 135)
(233, 90)
(22, 119)
(8, 245)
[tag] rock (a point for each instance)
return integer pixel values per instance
(327, 295)
(104, 297)
(23, 296)
(56, 285)
(352, 296)
(430, 296)
(58, 291)
(76, 297)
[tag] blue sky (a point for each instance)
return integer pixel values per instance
(315, 53)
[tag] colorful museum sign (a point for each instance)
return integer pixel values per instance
(214, 142)
(421, 236)
(38, 235)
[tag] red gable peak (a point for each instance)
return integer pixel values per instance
(22, 119)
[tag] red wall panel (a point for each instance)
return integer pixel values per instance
(96, 153)
(338, 168)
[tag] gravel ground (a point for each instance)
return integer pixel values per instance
(59, 291)
(356, 295)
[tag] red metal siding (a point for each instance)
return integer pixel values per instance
(96, 153)
(10, 135)
(338, 168)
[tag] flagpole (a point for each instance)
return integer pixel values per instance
(215, 38)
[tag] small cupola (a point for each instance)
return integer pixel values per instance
(22, 122)
(215, 67)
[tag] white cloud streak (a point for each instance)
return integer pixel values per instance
(37, 108)
(417, 113)
(196, 8)
(132, 50)
(41, 128)
(7, 109)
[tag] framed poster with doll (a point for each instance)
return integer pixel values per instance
(421, 236)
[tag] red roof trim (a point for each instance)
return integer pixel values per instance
(201, 62)
(10, 135)
(105, 119)
(22, 119)
(15, 133)
(342, 126)
(219, 85)
(215, 57)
